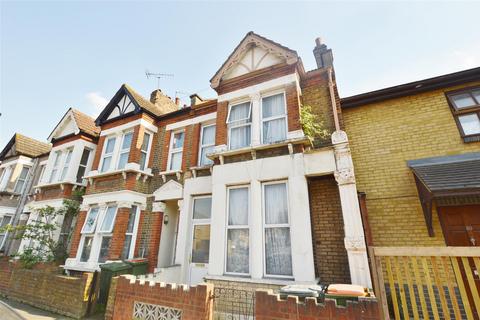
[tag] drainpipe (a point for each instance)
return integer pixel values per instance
(332, 99)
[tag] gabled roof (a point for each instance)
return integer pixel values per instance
(81, 122)
(141, 104)
(25, 146)
(253, 39)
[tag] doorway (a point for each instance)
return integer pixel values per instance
(200, 239)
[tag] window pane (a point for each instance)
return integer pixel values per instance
(238, 206)
(201, 244)
(106, 163)
(470, 123)
(2, 237)
(145, 142)
(127, 140)
(463, 100)
(178, 140)
(476, 94)
(126, 247)
(274, 130)
(237, 251)
(89, 225)
(203, 157)
(110, 145)
(23, 174)
(6, 220)
(87, 248)
(273, 106)
(122, 161)
(240, 137)
(276, 209)
(131, 219)
(202, 208)
(19, 186)
(107, 224)
(52, 175)
(208, 135)
(80, 174)
(239, 112)
(104, 248)
(85, 155)
(278, 256)
(57, 158)
(143, 160)
(176, 161)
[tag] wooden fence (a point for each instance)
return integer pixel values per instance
(427, 282)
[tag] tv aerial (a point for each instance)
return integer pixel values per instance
(158, 76)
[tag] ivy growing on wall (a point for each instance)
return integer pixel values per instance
(313, 125)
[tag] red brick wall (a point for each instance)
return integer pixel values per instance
(293, 107)
(98, 153)
(148, 237)
(268, 306)
(61, 141)
(331, 261)
(118, 235)
(54, 192)
(75, 242)
(195, 302)
(221, 128)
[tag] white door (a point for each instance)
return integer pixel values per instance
(200, 248)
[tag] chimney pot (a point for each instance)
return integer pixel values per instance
(177, 101)
(318, 41)
(323, 55)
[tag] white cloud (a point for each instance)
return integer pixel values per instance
(467, 59)
(97, 101)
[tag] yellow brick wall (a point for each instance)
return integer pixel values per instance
(383, 136)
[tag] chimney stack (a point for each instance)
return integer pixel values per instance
(323, 55)
(155, 96)
(195, 99)
(177, 101)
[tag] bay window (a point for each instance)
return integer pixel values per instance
(277, 245)
(21, 180)
(466, 110)
(274, 118)
(108, 154)
(86, 249)
(104, 249)
(238, 244)
(239, 123)
(82, 168)
(4, 176)
(176, 151)
(66, 164)
(125, 150)
(90, 221)
(129, 243)
(144, 150)
(108, 219)
(207, 144)
(56, 163)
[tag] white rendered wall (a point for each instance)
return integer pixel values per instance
(167, 238)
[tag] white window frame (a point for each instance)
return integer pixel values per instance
(106, 155)
(42, 172)
(280, 225)
(94, 223)
(285, 115)
(19, 179)
(247, 226)
(133, 241)
(147, 152)
(82, 244)
(231, 126)
(200, 222)
(123, 151)
(6, 176)
(201, 145)
(66, 164)
(80, 165)
(55, 166)
(104, 216)
(171, 151)
(5, 234)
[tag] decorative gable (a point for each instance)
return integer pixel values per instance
(67, 126)
(253, 53)
(123, 106)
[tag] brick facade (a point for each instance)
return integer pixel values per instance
(418, 126)
(75, 241)
(148, 237)
(195, 302)
(268, 306)
(331, 261)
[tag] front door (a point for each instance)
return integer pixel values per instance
(461, 227)
(200, 248)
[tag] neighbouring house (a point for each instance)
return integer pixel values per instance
(74, 141)
(416, 151)
(228, 190)
(19, 170)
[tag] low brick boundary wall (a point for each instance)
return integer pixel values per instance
(194, 303)
(269, 306)
(45, 288)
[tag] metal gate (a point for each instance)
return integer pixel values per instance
(233, 304)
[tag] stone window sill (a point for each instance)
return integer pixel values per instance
(129, 168)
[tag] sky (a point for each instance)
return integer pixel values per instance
(56, 55)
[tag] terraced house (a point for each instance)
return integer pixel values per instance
(230, 190)
(19, 171)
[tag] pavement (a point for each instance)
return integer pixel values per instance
(12, 310)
